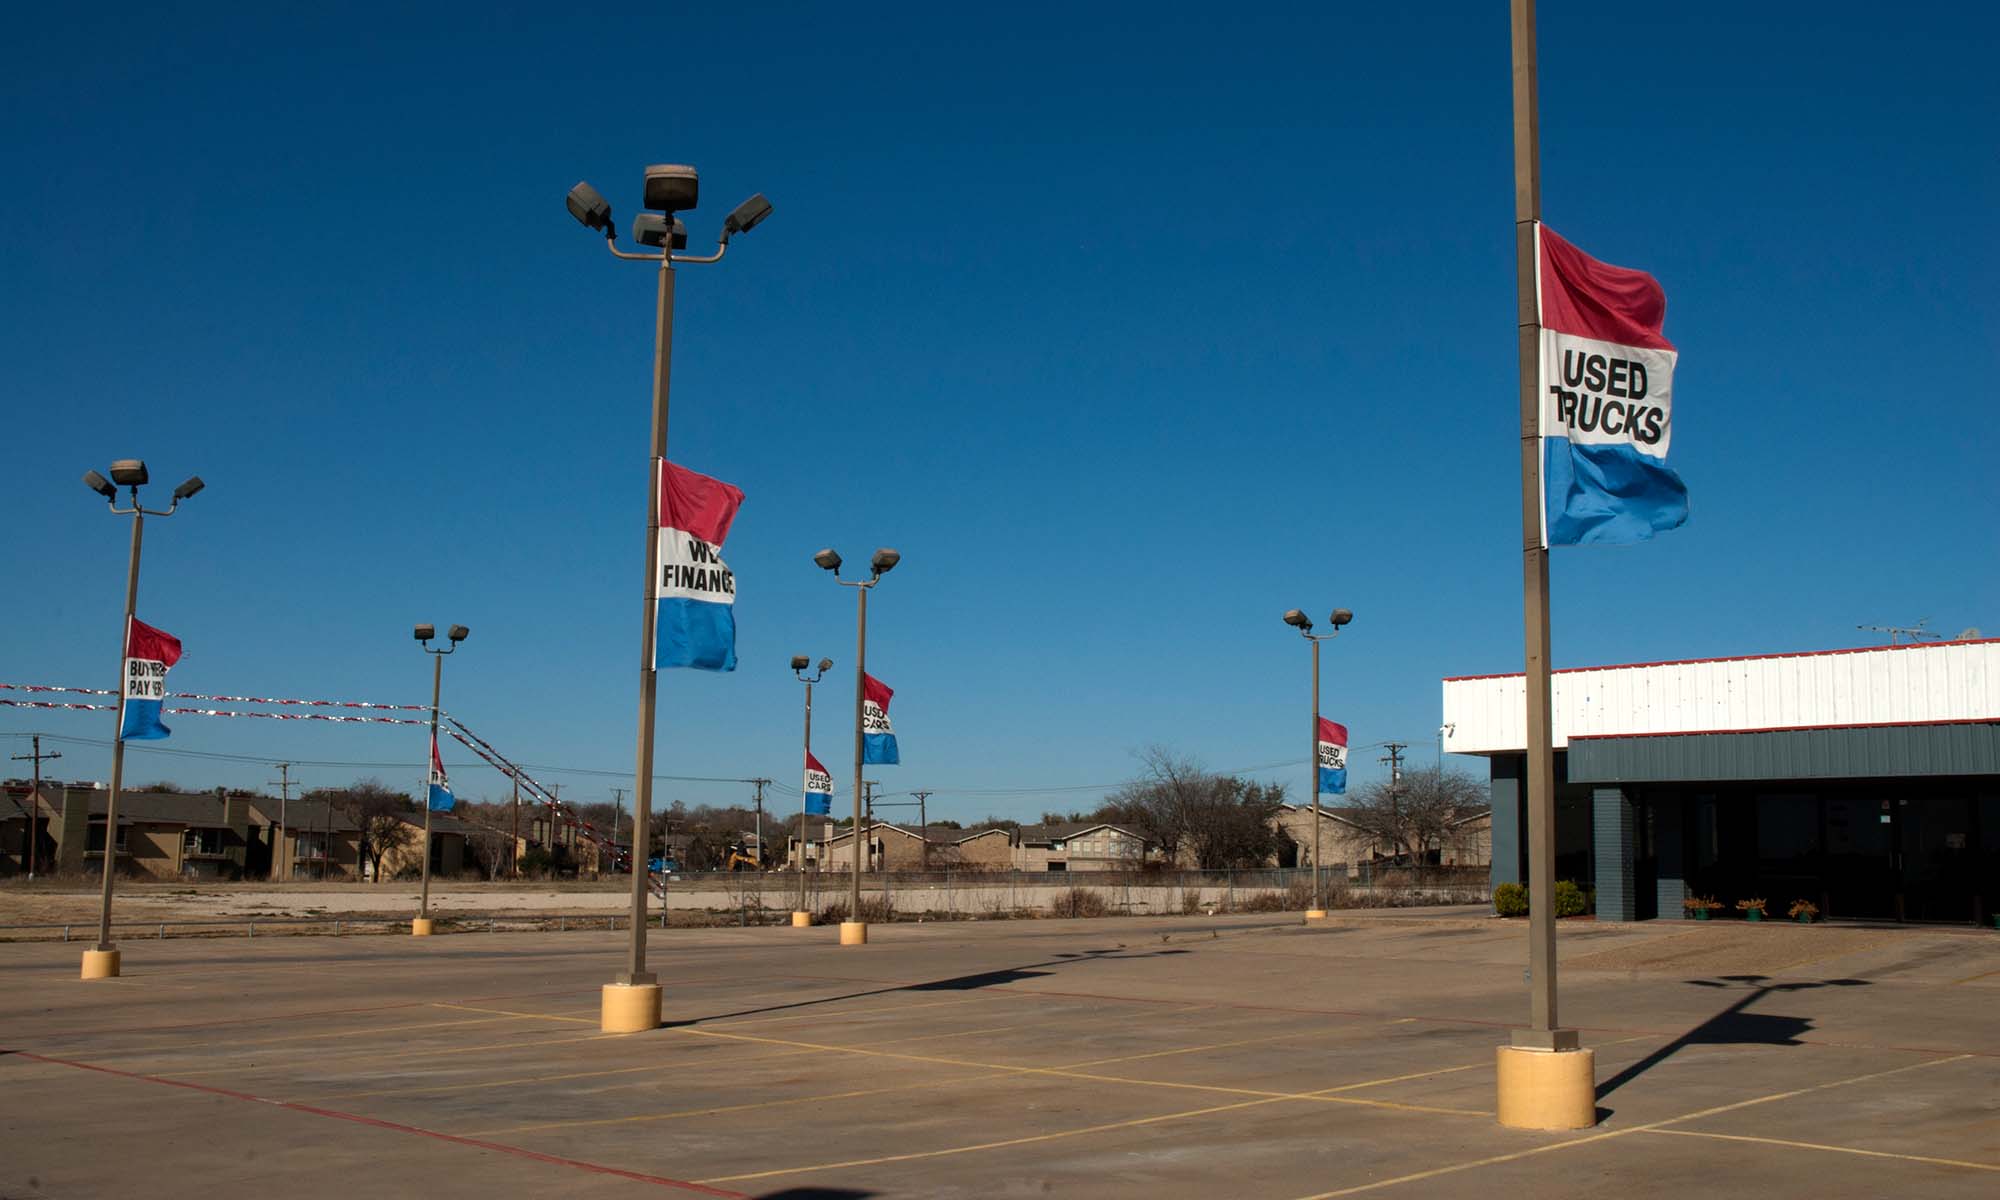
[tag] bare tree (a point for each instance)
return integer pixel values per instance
(1190, 812)
(1415, 816)
(379, 810)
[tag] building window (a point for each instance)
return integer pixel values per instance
(1056, 866)
(204, 841)
(93, 841)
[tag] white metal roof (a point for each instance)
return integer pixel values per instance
(1921, 683)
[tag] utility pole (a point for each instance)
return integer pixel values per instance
(1395, 760)
(284, 786)
(35, 800)
(514, 837)
(868, 792)
(924, 827)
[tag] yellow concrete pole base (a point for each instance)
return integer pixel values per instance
(630, 1007)
(100, 964)
(801, 920)
(422, 927)
(1547, 1089)
(854, 933)
(1315, 914)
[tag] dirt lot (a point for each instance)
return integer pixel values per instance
(1198, 1057)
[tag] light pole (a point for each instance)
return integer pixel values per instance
(854, 931)
(802, 916)
(421, 926)
(632, 1000)
(1298, 620)
(102, 962)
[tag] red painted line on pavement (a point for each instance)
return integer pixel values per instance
(395, 1126)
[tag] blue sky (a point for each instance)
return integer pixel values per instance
(1130, 326)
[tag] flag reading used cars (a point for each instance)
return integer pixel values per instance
(878, 740)
(819, 787)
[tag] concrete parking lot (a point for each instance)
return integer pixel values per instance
(1147, 1057)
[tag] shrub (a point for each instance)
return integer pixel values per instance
(874, 911)
(1747, 905)
(1570, 900)
(1078, 902)
(1511, 900)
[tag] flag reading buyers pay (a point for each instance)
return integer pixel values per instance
(148, 654)
(695, 589)
(1607, 387)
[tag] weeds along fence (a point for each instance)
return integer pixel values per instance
(994, 895)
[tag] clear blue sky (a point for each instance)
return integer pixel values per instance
(1131, 327)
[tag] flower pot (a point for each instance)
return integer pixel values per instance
(1701, 914)
(1804, 918)
(1753, 914)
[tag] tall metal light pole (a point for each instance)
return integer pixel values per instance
(1298, 620)
(102, 961)
(854, 931)
(632, 1000)
(421, 926)
(1545, 1079)
(802, 916)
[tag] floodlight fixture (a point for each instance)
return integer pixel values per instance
(825, 664)
(458, 633)
(425, 633)
(653, 229)
(672, 187)
(800, 662)
(746, 217)
(99, 484)
(128, 472)
(828, 560)
(885, 561)
(189, 487)
(591, 209)
(1340, 617)
(1296, 617)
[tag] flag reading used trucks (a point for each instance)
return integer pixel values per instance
(1607, 392)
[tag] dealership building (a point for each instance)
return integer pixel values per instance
(1866, 781)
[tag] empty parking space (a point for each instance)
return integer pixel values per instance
(1164, 1057)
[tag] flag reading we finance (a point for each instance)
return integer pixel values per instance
(878, 740)
(696, 619)
(819, 787)
(1332, 757)
(148, 654)
(1607, 388)
(440, 799)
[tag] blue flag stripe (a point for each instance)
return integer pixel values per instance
(1608, 495)
(695, 633)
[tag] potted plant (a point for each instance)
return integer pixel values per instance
(1699, 907)
(1752, 909)
(1803, 911)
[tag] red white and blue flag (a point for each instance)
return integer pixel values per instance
(1607, 388)
(148, 654)
(440, 798)
(1332, 757)
(878, 739)
(819, 787)
(696, 592)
